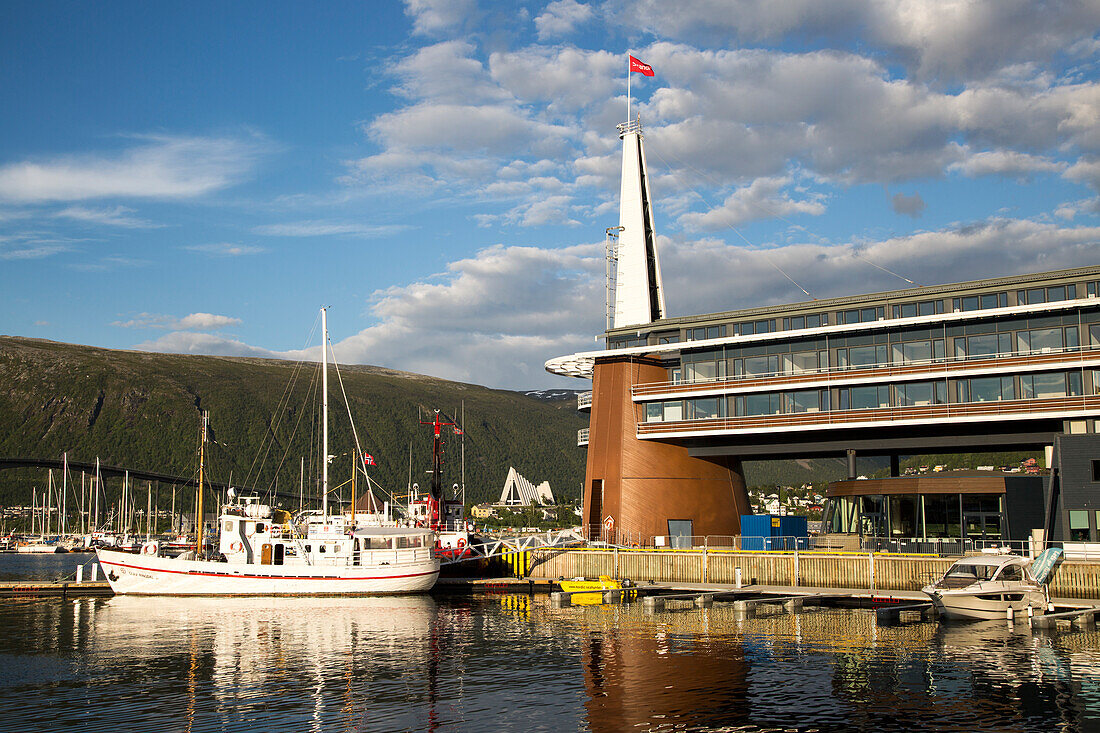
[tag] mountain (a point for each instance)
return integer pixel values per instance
(141, 410)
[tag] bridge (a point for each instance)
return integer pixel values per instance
(118, 471)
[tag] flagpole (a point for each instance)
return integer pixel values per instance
(628, 86)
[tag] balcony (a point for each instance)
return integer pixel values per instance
(584, 401)
(582, 437)
(1050, 407)
(950, 367)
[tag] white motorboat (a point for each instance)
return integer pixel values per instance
(987, 586)
(261, 551)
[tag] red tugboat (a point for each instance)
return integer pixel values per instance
(433, 510)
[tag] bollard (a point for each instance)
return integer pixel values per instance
(95, 572)
(79, 573)
(737, 577)
(560, 600)
(1030, 612)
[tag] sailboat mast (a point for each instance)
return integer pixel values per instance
(324, 412)
(199, 522)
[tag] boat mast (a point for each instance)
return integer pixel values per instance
(202, 458)
(324, 412)
(64, 492)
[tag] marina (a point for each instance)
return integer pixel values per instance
(448, 662)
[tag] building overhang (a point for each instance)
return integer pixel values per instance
(582, 364)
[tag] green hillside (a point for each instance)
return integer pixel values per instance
(141, 410)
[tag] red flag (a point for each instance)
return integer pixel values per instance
(643, 69)
(368, 460)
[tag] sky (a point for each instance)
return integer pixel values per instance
(202, 177)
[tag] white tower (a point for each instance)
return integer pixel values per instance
(639, 298)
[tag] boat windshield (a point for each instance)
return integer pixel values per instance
(968, 571)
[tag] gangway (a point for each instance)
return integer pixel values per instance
(560, 539)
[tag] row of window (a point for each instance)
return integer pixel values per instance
(863, 352)
(984, 301)
(1041, 385)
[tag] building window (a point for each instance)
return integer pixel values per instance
(757, 365)
(814, 320)
(979, 302)
(770, 403)
(861, 315)
(1043, 340)
(810, 400)
(918, 351)
(1034, 296)
(1096, 473)
(704, 332)
(805, 361)
(986, 389)
(915, 394)
(864, 398)
(983, 346)
(912, 310)
(1050, 384)
(861, 357)
(669, 338)
(1079, 525)
(1093, 289)
(706, 408)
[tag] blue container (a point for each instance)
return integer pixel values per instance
(773, 532)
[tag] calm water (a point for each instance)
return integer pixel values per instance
(514, 663)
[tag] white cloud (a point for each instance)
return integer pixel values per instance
(117, 216)
(436, 17)
(161, 167)
(226, 249)
(192, 322)
(561, 18)
(329, 228)
(1006, 163)
(762, 199)
(186, 342)
(936, 40)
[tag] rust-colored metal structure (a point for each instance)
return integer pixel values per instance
(642, 485)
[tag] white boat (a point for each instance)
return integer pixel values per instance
(987, 586)
(261, 551)
(40, 548)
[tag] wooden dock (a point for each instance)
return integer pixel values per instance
(54, 589)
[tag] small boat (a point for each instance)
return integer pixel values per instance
(988, 586)
(40, 548)
(597, 586)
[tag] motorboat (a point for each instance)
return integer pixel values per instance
(580, 586)
(262, 550)
(988, 586)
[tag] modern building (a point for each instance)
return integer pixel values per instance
(520, 492)
(678, 403)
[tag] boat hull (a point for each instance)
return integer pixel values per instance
(985, 605)
(40, 549)
(151, 575)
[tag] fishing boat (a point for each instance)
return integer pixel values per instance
(446, 517)
(262, 550)
(989, 586)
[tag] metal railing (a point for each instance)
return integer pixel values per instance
(597, 536)
(842, 417)
(582, 436)
(1074, 355)
(584, 400)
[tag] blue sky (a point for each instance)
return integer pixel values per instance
(201, 177)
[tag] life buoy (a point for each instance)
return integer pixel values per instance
(149, 548)
(461, 543)
(237, 547)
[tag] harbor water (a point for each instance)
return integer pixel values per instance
(512, 662)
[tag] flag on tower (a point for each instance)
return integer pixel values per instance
(641, 68)
(368, 460)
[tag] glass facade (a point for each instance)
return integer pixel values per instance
(918, 516)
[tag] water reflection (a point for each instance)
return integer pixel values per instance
(515, 663)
